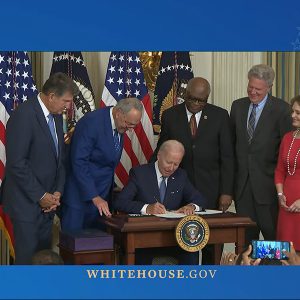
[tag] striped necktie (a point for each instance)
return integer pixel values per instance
(116, 140)
(251, 123)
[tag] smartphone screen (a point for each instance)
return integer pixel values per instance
(270, 249)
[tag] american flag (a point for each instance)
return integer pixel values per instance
(16, 86)
(124, 79)
(72, 64)
(175, 71)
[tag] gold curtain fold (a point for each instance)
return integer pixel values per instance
(287, 73)
(36, 59)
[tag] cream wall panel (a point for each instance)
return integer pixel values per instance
(47, 63)
(202, 65)
(230, 76)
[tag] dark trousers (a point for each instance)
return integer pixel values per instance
(76, 219)
(31, 237)
(265, 215)
(208, 255)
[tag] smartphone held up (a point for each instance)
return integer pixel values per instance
(270, 249)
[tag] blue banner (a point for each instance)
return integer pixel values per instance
(149, 282)
(136, 25)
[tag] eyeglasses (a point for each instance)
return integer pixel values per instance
(128, 124)
(196, 100)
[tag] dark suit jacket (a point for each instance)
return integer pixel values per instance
(260, 157)
(32, 167)
(142, 189)
(209, 158)
(93, 160)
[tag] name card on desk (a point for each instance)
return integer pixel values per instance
(209, 212)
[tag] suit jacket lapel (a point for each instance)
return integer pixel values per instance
(43, 123)
(106, 123)
(109, 135)
(153, 184)
(60, 136)
(171, 186)
(205, 115)
(264, 117)
(183, 119)
(244, 118)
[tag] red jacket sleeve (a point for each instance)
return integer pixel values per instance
(280, 171)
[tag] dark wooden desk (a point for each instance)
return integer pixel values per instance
(131, 233)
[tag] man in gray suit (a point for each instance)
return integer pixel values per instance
(259, 122)
(35, 172)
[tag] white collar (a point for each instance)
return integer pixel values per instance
(45, 110)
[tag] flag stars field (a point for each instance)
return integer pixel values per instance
(138, 144)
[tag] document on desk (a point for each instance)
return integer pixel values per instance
(170, 215)
(176, 215)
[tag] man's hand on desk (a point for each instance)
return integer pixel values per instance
(225, 202)
(102, 206)
(156, 208)
(187, 209)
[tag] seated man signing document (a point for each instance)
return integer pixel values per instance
(162, 186)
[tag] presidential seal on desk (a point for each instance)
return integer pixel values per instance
(192, 233)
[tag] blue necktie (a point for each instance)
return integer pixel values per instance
(251, 123)
(116, 140)
(162, 189)
(52, 130)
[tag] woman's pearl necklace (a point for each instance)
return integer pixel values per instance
(288, 156)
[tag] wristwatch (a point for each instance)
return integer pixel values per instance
(279, 194)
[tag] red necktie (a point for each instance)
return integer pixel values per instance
(193, 125)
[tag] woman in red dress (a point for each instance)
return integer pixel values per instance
(287, 180)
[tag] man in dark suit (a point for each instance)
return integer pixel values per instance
(204, 130)
(35, 173)
(96, 150)
(259, 122)
(156, 187)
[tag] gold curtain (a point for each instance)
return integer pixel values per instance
(36, 59)
(287, 73)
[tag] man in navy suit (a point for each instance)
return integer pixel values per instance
(144, 192)
(35, 173)
(96, 150)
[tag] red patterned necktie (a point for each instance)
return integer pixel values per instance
(193, 125)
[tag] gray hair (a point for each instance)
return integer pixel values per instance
(127, 104)
(60, 83)
(263, 72)
(170, 145)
